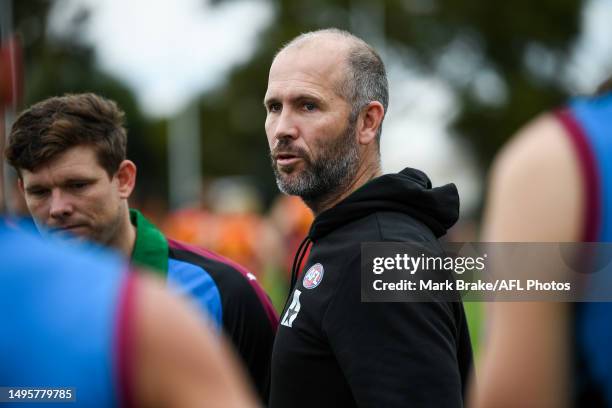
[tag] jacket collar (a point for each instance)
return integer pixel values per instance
(151, 247)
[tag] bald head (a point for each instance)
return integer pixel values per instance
(324, 104)
(363, 78)
(328, 36)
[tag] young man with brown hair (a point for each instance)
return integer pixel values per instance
(70, 156)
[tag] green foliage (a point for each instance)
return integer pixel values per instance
(56, 66)
(496, 35)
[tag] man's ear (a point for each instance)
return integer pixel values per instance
(20, 185)
(126, 176)
(370, 121)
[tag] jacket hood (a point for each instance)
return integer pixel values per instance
(408, 191)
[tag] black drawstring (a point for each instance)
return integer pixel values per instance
(297, 261)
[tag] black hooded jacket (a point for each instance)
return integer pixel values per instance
(332, 350)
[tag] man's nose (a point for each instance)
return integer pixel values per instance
(60, 206)
(286, 126)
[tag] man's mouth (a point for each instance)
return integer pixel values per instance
(286, 159)
(72, 229)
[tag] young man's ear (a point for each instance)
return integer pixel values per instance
(126, 176)
(371, 120)
(20, 185)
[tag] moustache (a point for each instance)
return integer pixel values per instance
(284, 150)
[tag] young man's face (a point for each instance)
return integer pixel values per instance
(312, 144)
(73, 194)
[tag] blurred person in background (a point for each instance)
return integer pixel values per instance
(326, 99)
(551, 183)
(78, 317)
(70, 156)
(292, 219)
(289, 220)
(227, 220)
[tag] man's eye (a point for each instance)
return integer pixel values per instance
(37, 193)
(78, 186)
(309, 106)
(274, 107)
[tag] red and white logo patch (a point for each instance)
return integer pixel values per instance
(313, 277)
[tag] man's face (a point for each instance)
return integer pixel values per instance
(313, 146)
(74, 194)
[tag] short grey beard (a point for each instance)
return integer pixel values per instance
(327, 175)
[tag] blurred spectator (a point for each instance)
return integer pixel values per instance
(292, 219)
(114, 337)
(551, 183)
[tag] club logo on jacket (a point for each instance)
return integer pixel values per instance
(313, 277)
(294, 309)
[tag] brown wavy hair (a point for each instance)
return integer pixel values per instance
(55, 125)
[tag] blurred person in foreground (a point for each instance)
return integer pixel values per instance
(551, 183)
(78, 317)
(70, 156)
(326, 99)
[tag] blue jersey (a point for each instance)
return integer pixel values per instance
(64, 314)
(589, 124)
(228, 293)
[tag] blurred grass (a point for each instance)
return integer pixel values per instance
(474, 312)
(276, 286)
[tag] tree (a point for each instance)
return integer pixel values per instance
(497, 39)
(55, 66)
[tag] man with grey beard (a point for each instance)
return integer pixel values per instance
(326, 99)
